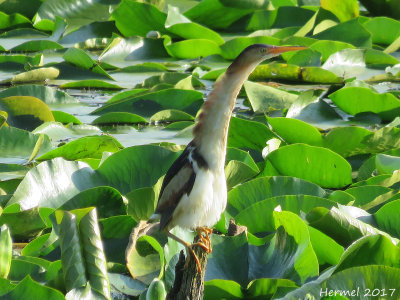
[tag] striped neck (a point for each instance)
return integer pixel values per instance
(211, 129)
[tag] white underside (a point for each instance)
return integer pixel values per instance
(205, 204)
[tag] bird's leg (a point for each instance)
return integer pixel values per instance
(205, 239)
(189, 249)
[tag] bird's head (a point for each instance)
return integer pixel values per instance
(255, 54)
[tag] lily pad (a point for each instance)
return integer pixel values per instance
(248, 134)
(145, 18)
(178, 24)
(46, 94)
(85, 147)
(26, 112)
(150, 103)
(259, 189)
(82, 60)
(37, 75)
(316, 164)
(90, 84)
(18, 145)
(384, 30)
(264, 98)
(344, 10)
(296, 131)
(171, 115)
(352, 32)
(355, 100)
(65, 118)
(119, 118)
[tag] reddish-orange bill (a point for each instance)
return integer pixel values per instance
(282, 49)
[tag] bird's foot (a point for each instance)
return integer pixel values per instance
(204, 234)
(189, 250)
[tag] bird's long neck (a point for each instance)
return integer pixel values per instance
(211, 129)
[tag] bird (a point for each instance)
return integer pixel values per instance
(194, 193)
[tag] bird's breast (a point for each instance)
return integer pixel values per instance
(205, 203)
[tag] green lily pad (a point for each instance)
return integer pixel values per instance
(12, 20)
(119, 118)
(258, 217)
(232, 48)
(351, 281)
(267, 287)
(319, 75)
(34, 60)
(180, 25)
(326, 248)
(90, 33)
(264, 99)
(296, 131)
(29, 288)
(65, 118)
(359, 253)
(82, 60)
(145, 262)
(75, 12)
(291, 239)
(346, 141)
(316, 164)
(340, 226)
(305, 58)
(365, 194)
(150, 103)
(18, 145)
(156, 290)
(384, 30)
(37, 45)
(216, 14)
(167, 78)
(222, 289)
(352, 32)
(386, 219)
(90, 84)
(276, 71)
(354, 100)
(379, 58)
(68, 178)
(247, 134)
(387, 164)
(192, 48)
(145, 18)
(23, 224)
(46, 94)
(85, 147)
(5, 251)
(171, 115)
(12, 171)
(344, 10)
(262, 188)
(240, 167)
(327, 48)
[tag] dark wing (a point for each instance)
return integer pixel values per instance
(178, 181)
(180, 162)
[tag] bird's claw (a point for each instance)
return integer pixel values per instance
(204, 234)
(189, 249)
(205, 243)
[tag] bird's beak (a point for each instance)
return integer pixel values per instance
(282, 49)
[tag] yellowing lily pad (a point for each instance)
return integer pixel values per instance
(26, 112)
